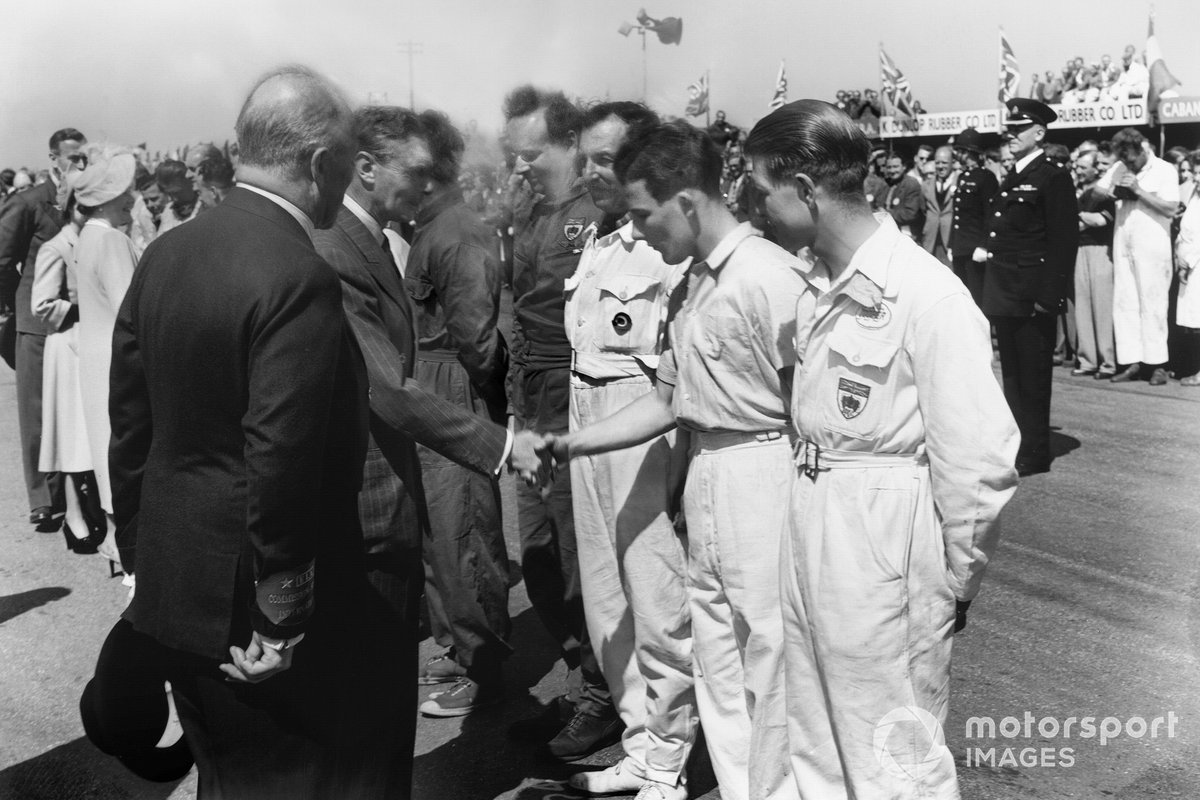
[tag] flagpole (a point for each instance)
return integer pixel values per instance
(642, 31)
(883, 101)
(708, 99)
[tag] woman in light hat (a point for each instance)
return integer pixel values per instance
(65, 445)
(104, 262)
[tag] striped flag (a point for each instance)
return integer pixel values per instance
(1010, 75)
(1162, 82)
(780, 96)
(697, 97)
(897, 94)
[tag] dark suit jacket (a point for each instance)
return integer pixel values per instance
(27, 220)
(1033, 235)
(239, 423)
(906, 205)
(381, 315)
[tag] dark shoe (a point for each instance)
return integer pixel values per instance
(541, 728)
(1131, 373)
(441, 669)
(586, 733)
(1080, 371)
(1158, 377)
(1027, 468)
(1101, 375)
(40, 515)
(462, 698)
(86, 546)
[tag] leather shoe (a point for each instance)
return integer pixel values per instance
(1158, 377)
(1027, 468)
(546, 724)
(1131, 373)
(1080, 371)
(1104, 376)
(586, 733)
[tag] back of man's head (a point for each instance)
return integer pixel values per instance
(563, 117)
(815, 138)
(446, 146)
(290, 114)
(171, 175)
(217, 172)
(669, 158)
(637, 118)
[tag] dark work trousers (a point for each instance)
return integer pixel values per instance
(45, 488)
(549, 558)
(1026, 347)
(466, 563)
(971, 274)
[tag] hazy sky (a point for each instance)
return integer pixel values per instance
(167, 72)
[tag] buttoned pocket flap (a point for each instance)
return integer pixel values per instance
(862, 351)
(629, 287)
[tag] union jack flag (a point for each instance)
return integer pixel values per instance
(780, 96)
(897, 94)
(1010, 76)
(698, 97)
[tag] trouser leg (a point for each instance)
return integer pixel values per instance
(1085, 322)
(43, 488)
(1026, 349)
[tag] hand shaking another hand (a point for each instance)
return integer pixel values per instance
(536, 456)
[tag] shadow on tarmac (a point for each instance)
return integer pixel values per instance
(73, 770)
(1061, 444)
(14, 605)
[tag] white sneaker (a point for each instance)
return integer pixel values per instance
(612, 780)
(653, 790)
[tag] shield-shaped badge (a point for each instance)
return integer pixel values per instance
(852, 397)
(573, 228)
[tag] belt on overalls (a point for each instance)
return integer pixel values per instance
(715, 440)
(812, 459)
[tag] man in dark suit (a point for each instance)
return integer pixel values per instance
(236, 500)
(391, 173)
(903, 198)
(938, 193)
(27, 220)
(976, 186)
(1033, 233)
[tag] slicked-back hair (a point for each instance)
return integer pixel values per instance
(65, 135)
(171, 173)
(375, 127)
(1128, 138)
(208, 150)
(216, 172)
(563, 118)
(637, 118)
(815, 138)
(281, 134)
(671, 157)
(446, 146)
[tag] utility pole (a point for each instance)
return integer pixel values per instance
(411, 48)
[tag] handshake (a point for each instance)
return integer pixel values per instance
(535, 457)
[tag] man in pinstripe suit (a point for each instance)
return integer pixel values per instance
(391, 172)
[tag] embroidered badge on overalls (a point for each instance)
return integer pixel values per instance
(874, 318)
(622, 323)
(852, 397)
(573, 228)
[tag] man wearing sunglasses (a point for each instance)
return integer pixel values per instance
(26, 221)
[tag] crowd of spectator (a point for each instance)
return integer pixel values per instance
(1083, 82)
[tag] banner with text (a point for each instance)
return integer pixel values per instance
(1079, 115)
(946, 123)
(1179, 109)
(1101, 114)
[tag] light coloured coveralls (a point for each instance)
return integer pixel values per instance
(728, 343)
(904, 460)
(633, 564)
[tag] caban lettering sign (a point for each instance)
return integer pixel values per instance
(1179, 109)
(1099, 115)
(946, 123)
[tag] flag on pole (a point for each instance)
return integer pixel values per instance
(698, 97)
(669, 30)
(897, 94)
(780, 96)
(1010, 76)
(1162, 82)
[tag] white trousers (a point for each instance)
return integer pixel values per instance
(868, 618)
(735, 504)
(1141, 283)
(633, 568)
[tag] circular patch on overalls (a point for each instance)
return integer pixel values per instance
(622, 323)
(875, 317)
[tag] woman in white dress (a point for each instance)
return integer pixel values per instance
(104, 262)
(1187, 262)
(65, 445)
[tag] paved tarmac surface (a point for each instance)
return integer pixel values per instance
(1091, 609)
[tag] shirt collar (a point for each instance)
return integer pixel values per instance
(870, 260)
(1026, 161)
(291, 208)
(724, 249)
(446, 198)
(366, 219)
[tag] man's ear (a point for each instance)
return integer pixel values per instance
(805, 188)
(365, 168)
(687, 203)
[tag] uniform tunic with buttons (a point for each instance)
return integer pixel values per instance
(911, 447)
(976, 187)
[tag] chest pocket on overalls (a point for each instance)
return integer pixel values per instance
(857, 388)
(630, 311)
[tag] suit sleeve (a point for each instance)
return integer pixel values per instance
(1062, 240)
(971, 437)
(16, 228)
(46, 302)
(400, 406)
(129, 412)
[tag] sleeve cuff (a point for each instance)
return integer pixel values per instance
(508, 446)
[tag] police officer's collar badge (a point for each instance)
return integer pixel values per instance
(573, 227)
(852, 397)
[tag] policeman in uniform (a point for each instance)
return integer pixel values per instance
(904, 458)
(1033, 235)
(976, 187)
(635, 564)
(543, 130)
